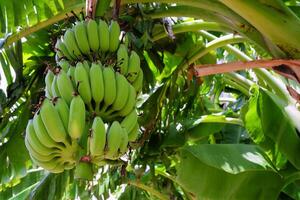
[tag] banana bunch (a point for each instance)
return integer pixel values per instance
(88, 116)
(111, 142)
(86, 38)
(52, 134)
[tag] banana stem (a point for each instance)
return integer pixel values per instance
(236, 85)
(97, 108)
(219, 42)
(90, 107)
(192, 26)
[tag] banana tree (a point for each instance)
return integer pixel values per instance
(220, 99)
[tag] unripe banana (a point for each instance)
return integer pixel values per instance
(63, 110)
(103, 33)
(114, 34)
(110, 89)
(138, 83)
(58, 169)
(130, 121)
(122, 92)
(58, 56)
(133, 66)
(35, 142)
(62, 50)
(71, 74)
(86, 66)
(97, 84)
(92, 31)
(98, 137)
(77, 118)
(47, 95)
(52, 166)
(37, 155)
(84, 170)
(82, 79)
(124, 142)
(126, 40)
(54, 87)
(82, 38)
(130, 103)
(133, 134)
(70, 42)
(42, 133)
(122, 58)
(65, 65)
(113, 140)
(52, 122)
(69, 165)
(65, 86)
(48, 81)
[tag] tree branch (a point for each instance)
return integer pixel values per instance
(292, 71)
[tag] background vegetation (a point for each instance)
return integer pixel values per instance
(224, 136)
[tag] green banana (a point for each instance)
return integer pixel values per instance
(70, 42)
(58, 56)
(77, 118)
(122, 92)
(129, 121)
(48, 81)
(103, 33)
(114, 34)
(42, 133)
(71, 74)
(98, 137)
(52, 122)
(69, 165)
(64, 64)
(133, 134)
(97, 85)
(124, 142)
(65, 86)
(126, 40)
(92, 31)
(86, 66)
(82, 37)
(113, 140)
(110, 90)
(138, 82)
(62, 50)
(52, 166)
(122, 58)
(63, 110)
(130, 103)
(82, 79)
(133, 66)
(38, 156)
(54, 87)
(84, 170)
(35, 142)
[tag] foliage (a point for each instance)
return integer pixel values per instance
(241, 127)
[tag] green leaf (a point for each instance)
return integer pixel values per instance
(207, 125)
(52, 186)
(18, 156)
(277, 126)
(224, 171)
